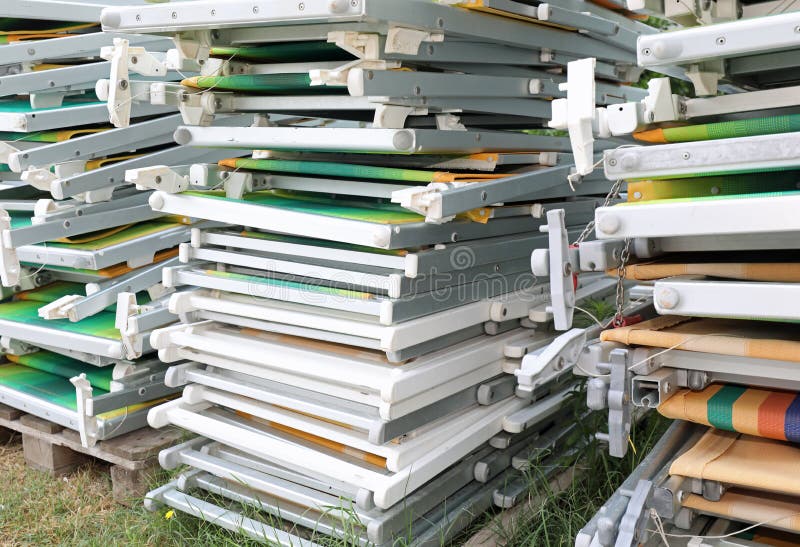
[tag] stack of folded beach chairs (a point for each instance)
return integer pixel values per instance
(710, 225)
(352, 321)
(82, 251)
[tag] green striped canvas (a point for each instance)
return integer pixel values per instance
(376, 213)
(331, 169)
(272, 84)
(65, 367)
(724, 130)
(42, 385)
(290, 52)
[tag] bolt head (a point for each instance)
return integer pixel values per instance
(667, 298)
(609, 224)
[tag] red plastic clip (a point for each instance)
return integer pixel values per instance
(627, 321)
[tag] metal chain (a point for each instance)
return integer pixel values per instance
(589, 227)
(625, 256)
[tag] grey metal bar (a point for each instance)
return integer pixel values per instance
(80, 45)
(151, 132)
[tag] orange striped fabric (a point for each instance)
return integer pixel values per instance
(760, 412)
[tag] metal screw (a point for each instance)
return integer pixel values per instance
(668, 298)
(301, 6)
(123, 84)
(686, 155)
(174, 14)
(138, 17)
(213, 13)
(255, 9)
(417, 90)
(721, 41)
(484, 196)
(158, 179)
(646, 51)
(612, 162)
(797, 29)
(354, 3)
(31, 51)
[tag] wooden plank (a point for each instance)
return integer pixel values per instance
(58, 451)
(59, 439)
(136, 450)
(39, 424)
(45, 456)
(144, 443)
(10, 413)
(129, 487)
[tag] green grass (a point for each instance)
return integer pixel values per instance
(561, 511)
(559, 514)
(37, 509)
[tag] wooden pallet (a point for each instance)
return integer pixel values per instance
(53, 449)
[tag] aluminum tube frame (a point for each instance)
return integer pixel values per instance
(433, 18)
(388, 311)
(382, 236)
(292, 362)
(82, 45)
(392, 338)
(135, 252)
(721, 156)
(387, 489)
(58, 118)
(722, 40)
(368, 140)
(153, 132)
(728, 299)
